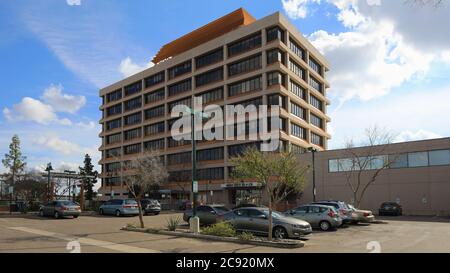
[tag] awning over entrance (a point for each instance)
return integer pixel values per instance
(242, 185)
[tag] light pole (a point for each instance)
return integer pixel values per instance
(313, 151)
(48, 170)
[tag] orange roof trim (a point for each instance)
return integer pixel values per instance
(204, 34)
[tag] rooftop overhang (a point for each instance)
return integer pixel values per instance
(204, 34)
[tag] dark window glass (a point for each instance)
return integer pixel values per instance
(298, 111)
(274, 78)
(439, 157)
(132, 149)
(209, 77)
(133, 88)
(133, 119)
(245, 65)
(314, 101)
(132, 134)
(180, 87)
(297, 149)
(114, 110)
(113, 96)
(155, 112)
(180, 176)
(276, 99)
(399, 160)
(113, 152)
(298, 50)
(298, 90)
(275, 55)
(210, 174)
(210, 154)
(316, 121)
(315, 84)
(185, 101)
(153, 145)
(175, 159)
(112, 167)
(298, 131)
(112, 181)
(180, 69)
(239, 149)
(297, 69)
(316, 139)
(113, 124)
(154, 96)
(209, 58)
(245, 44)
(212, 95)
(154, 129)
(418, 159)
(114, 138)
(275, 33)
(177, 143)
(315, 66)
(245, 86)
(256, 102)
(154, 79)
(133, 104)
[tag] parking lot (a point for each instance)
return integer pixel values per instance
(95, 233)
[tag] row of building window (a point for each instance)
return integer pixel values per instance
(245, 44)
(209, 58)
(245, 65)
(209, 77)
(297, 69)
(133, 88)
(180, 69)
(154, 96)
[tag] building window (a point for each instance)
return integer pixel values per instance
(399, 161)
(298, 111)
(180, 69)
(212, 95)
(333, 165)
(209, 77)
(132, 149)
(114, 110)
(256, 102)
(245, 44)
(275, 33)
(298, 50)
(175, 159)
(113, 96)
(239, 149)
(186, 101)
(297, 149)
(112, 167)
(315, 66)
(275, 55)
(113, 124)
(154, 79)
(210, 174)
(276, 99)
(275, 78)
(132, 134)
(245, 86)
(419, 159)
(315, 84)
(439, 157)
(246, 65)
(180, 87)
(155, 112)
(133, 88)
(154, 145)
(177, 143)
(316, 139)
(210, 154)
(180, 176)
(314, 101)
(133, 104)
(298, 131)
(153, 129)
(297, 90)
(133, 119)
(209, 58)
(113, 152)
(316, 121)
(112, 181)
(154, 96)
(111, 139)
(297, 69)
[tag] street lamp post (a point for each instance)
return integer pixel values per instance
(313, 151)
(48, 170)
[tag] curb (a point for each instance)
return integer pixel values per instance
(277, 244)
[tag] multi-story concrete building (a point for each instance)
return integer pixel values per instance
(232, 60)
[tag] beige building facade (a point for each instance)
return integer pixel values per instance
(233, 60)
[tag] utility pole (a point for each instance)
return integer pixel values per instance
(313, 151)
(48, 170)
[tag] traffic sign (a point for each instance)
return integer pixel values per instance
(195, 186)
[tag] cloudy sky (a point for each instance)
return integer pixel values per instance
(390, 64)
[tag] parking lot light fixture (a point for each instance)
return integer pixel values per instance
(313, 151)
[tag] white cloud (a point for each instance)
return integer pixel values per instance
(70, 166)
(30, 109)
(127, 67)
(408, 135)
(56, 144)
(60, 102)
(297, 9)
(73, 2)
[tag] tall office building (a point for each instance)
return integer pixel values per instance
(232, 60)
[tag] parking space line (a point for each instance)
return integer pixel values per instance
(87, 241)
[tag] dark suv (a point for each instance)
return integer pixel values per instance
(390, 208)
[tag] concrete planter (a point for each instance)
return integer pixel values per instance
(257, 242)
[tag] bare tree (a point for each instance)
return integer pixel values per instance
(363, 166)
(148, 172)
(281, 174)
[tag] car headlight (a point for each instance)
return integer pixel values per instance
(300, 226)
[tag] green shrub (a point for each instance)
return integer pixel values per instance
(129, 225)
(246, 236)
(222, 229)
(173, 223)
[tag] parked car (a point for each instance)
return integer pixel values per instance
(150, 206)
(60, 209)
(256, 220)
(206, 213)
(119, 207)
(318, 216)
(358, 215)
(390, 208)
(247, 205)
(344, 211)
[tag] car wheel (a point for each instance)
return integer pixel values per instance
(101, 212)
(156, 213)
(118, 214)
(280, 233)
(41, 213)
(56, 215)
(324, 226)
(75, 216)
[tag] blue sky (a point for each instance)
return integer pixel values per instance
(57, 54)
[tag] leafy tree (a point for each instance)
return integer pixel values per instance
(281, 174)
(14, 160)
(88, 183)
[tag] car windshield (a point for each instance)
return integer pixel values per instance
(68, 203)
(130, 202)
(221, 209)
